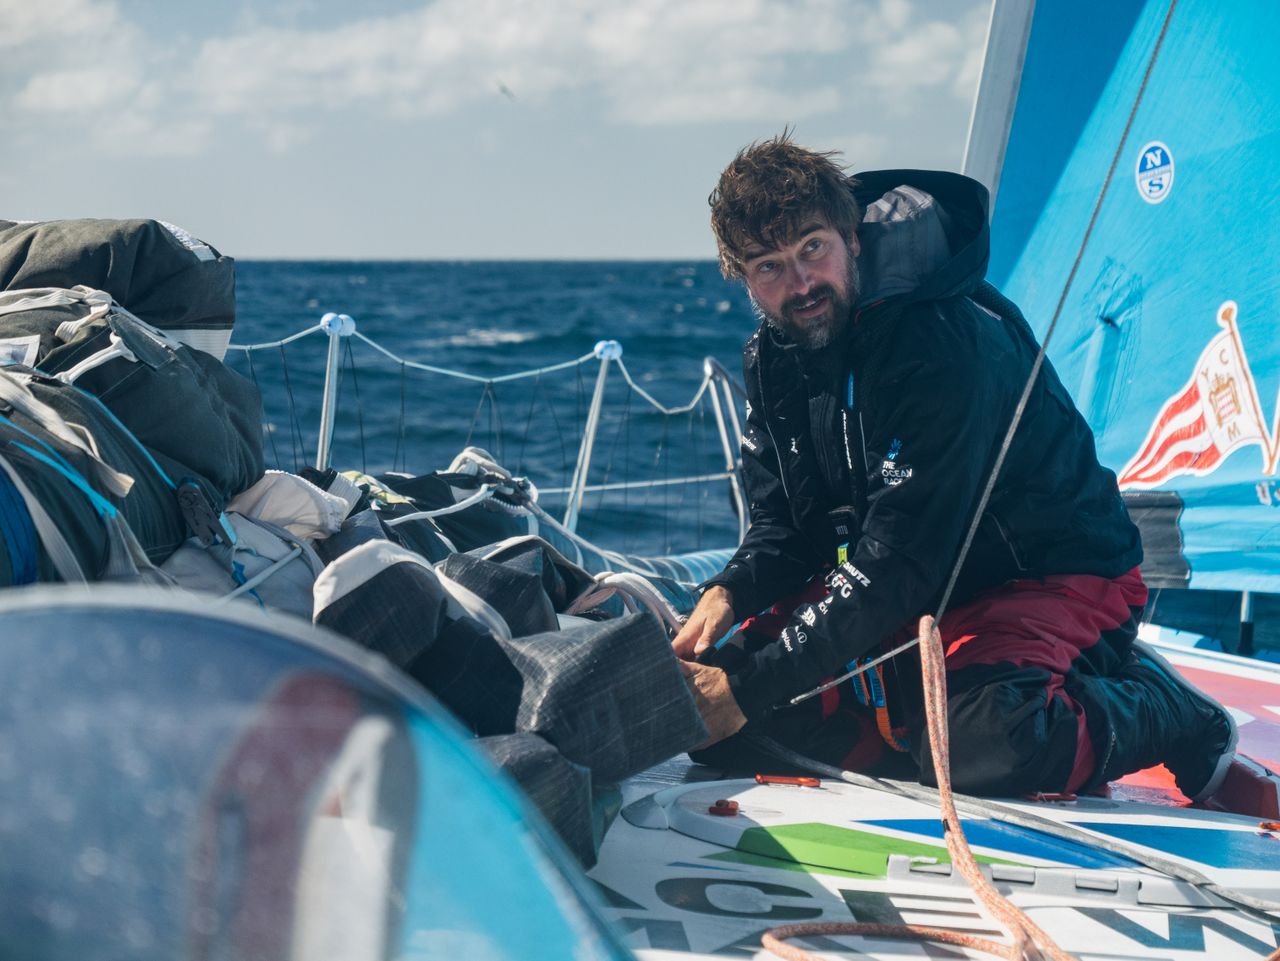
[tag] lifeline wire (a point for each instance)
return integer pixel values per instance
(268, 428)
(295, 427)
(250, 348)
(563, 365)
(684, 409)
(1031, 379)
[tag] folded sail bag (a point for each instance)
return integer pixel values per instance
(190, 410)
(156, 271)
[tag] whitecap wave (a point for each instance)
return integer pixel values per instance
(481, 337)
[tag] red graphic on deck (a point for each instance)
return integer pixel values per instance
(1215, 413)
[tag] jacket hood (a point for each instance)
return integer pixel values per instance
(924, 235)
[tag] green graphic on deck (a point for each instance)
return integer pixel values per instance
(832, 850)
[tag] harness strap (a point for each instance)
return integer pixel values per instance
(869, 689)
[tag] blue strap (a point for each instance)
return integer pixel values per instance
(26, 433)
(872, 678)
(103, 506)
(19, 533)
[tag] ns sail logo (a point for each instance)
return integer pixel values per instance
(1154, 172)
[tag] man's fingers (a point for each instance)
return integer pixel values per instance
(691, 635)
(684, 642)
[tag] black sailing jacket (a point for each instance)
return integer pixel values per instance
(876, 450)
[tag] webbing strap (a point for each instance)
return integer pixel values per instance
(100, 504)
(126, 558)
(55, 545)
(39, 298)
(15, 393)
(870, 690)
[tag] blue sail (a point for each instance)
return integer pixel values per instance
(1135, 160)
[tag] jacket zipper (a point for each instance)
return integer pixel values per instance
(1013, 551)
(857, 477)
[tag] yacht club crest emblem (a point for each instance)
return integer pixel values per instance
(1214, 414)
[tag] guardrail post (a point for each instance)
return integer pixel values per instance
(719, 380)
(336, 326)
(606, 351)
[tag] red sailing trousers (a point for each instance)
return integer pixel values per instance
(1013, 655)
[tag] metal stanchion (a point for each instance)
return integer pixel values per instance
(719, 380)
(606, 351)
(336, 326)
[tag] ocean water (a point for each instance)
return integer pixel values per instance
(495, 318)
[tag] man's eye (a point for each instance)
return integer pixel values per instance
(814, 245)
(766, 267)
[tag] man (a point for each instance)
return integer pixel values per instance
(881, 383)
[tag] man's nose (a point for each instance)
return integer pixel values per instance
(801, 278)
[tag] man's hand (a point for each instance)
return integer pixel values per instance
(710, 620)
(710, 689)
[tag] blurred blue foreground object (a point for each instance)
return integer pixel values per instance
(219, 783)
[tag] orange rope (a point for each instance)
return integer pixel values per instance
(1029, 940)
(774, 940)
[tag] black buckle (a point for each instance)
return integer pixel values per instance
(207, 525)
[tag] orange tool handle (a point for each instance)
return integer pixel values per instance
(782, 779)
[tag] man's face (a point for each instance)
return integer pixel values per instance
(806, 287)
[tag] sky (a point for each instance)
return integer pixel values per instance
(459, 129)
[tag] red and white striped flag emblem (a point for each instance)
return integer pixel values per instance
(1215, 413)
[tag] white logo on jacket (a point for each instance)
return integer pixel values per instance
(891, 471)
(856, 574)
(895, 474)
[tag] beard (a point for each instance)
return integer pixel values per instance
(825, 329)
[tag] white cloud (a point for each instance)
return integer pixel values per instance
(134, 132)
(648, 61)
(653, 61)
(85, 89)
(28, 22)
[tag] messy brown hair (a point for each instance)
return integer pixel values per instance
(769, 189)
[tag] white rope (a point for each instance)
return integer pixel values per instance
(634, 590)
(275, 343)
(626, 375)
(261, 576)
(483, 494)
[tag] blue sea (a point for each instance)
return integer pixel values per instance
(495, 318)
